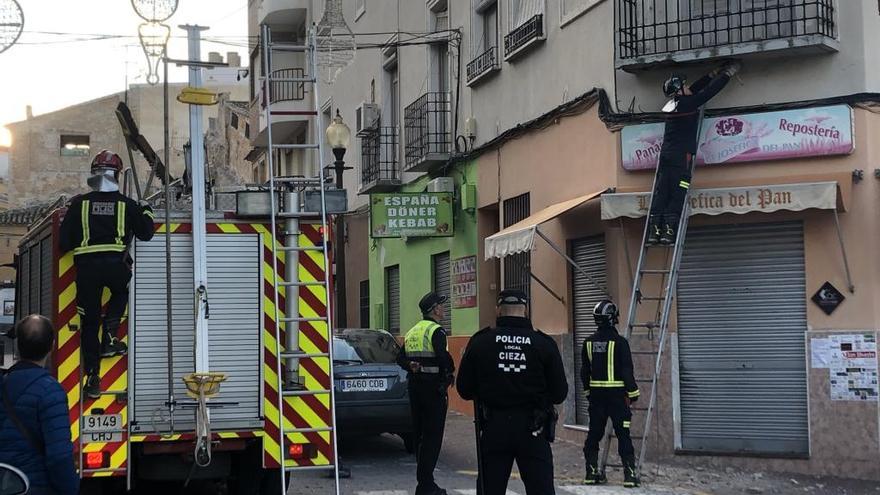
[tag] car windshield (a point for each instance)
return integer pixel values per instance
(364, 347)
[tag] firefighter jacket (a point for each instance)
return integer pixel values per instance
(607, 363)
(104, 222)
(426, 344)
(680, 133)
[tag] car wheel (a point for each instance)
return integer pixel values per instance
(409, 442)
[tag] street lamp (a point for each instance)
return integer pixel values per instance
(339, 138)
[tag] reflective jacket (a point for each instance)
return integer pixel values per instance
(607, 363)
(104, 222)
(425, 343)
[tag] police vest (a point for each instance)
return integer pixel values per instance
(420, 348)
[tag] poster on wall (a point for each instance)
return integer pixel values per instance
(464, 282)
(411, 215)
(851, 360)
(787, 134)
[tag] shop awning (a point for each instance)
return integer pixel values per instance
(737, 200)
(520, 237)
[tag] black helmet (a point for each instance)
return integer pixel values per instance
(605, 313)
(674, 84)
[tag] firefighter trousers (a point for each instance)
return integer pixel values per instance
(93, 275)
(429, 402)
(604, 405)
(673, 182)
(507, 437)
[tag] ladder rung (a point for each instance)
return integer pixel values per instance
(643, 353)
(653, 298)
(654, 272)
(302, 284)
(302, 355)
(300, 393)
(295, 146)
(649, 324)
(287, 47)
(644, 380)
(301, 248)
(300, 214)
(310, 468)
(300, 318)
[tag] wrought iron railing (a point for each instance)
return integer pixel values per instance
(287, 90)
(379, 155)
(528, 31)
(427, 128)
(483, 63)
(657, 27)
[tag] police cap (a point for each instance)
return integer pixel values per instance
(429, 301)
(513, 297)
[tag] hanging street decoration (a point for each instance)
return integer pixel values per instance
(11, 23)
(154, 40)
(154, 10)
(334, 41)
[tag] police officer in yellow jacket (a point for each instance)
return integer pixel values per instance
(426, 357)
(607, 375)
(98, 228)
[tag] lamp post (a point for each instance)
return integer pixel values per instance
(339, 138)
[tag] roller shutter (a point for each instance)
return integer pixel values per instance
(392, 298)
(234, 293)
(442, 285)
(742, 320)
(589, 254)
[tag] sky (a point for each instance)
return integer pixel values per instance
(49, 71)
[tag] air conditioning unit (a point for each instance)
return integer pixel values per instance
(367, 116)
(441, 184)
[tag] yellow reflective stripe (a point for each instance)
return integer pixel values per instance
(634, 393)
(120, 221)
(626, 424)
(100, 248)
(84, 220)
(150, 214)
(684, 184)
(610, 376)
(590, 352)
(605, 384)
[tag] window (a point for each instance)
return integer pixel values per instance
(525, 26)
(517, 267)
(440, 53)
(233, 121)
(247, 130)
(484, 40)
(74, 145)
(392, 298)
(521, 11)
(364, 346)
(441, 284)
(570, 10)
(364, 303)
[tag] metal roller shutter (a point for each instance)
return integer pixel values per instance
(46, 277)
(442, 285)
(392, 298)
(589, 254)
(234, 291)
(34, 282)
(742, 319)
(22, 306)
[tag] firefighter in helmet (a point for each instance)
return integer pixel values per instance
(98, 228)
(607, 375)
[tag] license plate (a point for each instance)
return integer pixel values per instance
(102, 437)
(365, 385)
(97, 423)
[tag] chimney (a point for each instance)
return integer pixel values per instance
(215, 57)
(234, 59)
(29, 111)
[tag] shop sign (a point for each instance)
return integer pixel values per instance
(464, 282)
(738, 200)
(411, 215)
(828, 298)
(782, 135)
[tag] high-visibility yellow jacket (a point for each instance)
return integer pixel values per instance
(104, 222)
(607, 363)
(425, 343)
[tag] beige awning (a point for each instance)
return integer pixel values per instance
(520, 237)
(737, 200)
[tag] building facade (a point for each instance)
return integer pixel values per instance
(550, 109)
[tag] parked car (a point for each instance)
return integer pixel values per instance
(12, 481)
(371, 389)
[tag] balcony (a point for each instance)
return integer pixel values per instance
(527, 35)
(290, 15)
(427, 132)
(291, 111)
(483, 66)
(379, 168)
(660, 32)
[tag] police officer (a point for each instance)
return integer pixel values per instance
(679, 144)
(607, 375)
(516, 375)
(426, 358)
(98, 228)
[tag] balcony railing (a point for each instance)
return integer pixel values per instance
(428, 136)
(484, 64)
(529, 31)
(379, 158)
(287, 90)
(648, 28)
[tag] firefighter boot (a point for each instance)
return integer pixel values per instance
(595, 476)
(653, 234)
(111, 346)
(630, 475)
(667, 235)
(92, 388)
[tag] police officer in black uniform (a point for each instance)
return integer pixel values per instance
(515, 374)
(607, 375)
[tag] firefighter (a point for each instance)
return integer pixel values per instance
(607, 375)
(515, 374)
(679, 145)
(430, 368)
(98, 228)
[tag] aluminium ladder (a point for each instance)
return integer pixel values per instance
(653, 320)
(290, 352)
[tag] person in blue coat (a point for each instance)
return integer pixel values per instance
(34, 421)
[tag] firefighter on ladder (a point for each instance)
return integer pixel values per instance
(607, 375)
(98, 228)
(679, 145)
